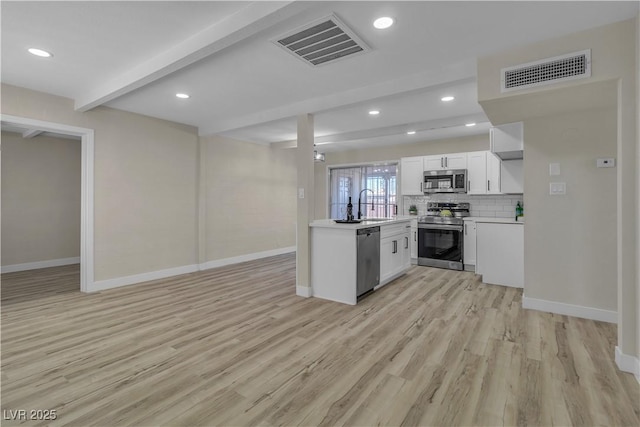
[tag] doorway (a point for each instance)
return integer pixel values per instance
(87, 167)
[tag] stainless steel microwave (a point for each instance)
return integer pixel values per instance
(445, 181)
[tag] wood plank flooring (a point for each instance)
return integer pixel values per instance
(235, 346)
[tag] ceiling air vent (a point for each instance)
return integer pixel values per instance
(324, 40)
(571, 66)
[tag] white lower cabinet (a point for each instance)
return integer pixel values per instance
(469, 244)
(500, 253)
(395, 251)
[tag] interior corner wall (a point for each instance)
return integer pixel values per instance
(637, 355)
(250, 198)
(40, 199)
(388, 153)
(145, 183)
(570, 252)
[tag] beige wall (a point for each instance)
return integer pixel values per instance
(145, 183)
(614, 77)
(250, 193)
(40, 199)
(391, 153)
(570, 241)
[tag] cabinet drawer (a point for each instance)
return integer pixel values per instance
(393, 229)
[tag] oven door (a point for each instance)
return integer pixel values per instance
(440, 245)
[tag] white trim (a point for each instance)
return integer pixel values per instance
(86, 215)
(39, 264)
(628, 363)
(248, 257)
(142, 277)
(304, 291)
(570, 309)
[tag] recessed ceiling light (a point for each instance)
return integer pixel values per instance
(382, 23)
(182, 95)
(411, 132)
(374, 112)
(40, 52)
(470, 124)
(447, 98)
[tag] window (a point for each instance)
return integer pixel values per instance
(353, 181)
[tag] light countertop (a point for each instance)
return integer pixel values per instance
(329, 223)
(494, 220)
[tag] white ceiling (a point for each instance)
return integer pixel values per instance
(135, 56)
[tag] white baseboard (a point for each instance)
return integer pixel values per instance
(627, 363)
(143, 277)
(304, 291)
(39, 264)
(163, 274)
(248, 257)
(570, 310)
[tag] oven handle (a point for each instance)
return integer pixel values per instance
(440, 227)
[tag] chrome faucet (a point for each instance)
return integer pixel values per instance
(359, 201)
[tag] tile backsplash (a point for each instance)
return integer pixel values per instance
(494, 205)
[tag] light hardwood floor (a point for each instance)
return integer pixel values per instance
(236, 346)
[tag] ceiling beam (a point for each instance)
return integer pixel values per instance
(255, 17)
(31, 133)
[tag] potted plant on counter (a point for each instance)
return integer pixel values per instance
(413, 210)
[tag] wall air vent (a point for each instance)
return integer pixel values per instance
(322, 41)
(571, 66)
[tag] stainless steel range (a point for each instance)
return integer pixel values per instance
(440, 235)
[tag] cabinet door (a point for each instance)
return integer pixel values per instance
(411, 176)
(469, 256)
(433, 163)
(406, 250)
(477, 172)
(413, 237)
(493, 174)
(388, 256)
(456, 161)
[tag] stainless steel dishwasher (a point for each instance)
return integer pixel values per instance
(368, 269)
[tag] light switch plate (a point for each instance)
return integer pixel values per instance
(300, 193)
(606, 163)
(557, 188)
(554, 169)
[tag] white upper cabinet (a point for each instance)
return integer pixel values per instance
(445, 161)
(477, 172)
(493, 174)
(507, 141)
(483, 173)
(411, 176)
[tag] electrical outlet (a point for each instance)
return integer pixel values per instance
(606, 163)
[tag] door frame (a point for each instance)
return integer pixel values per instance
(87, 200)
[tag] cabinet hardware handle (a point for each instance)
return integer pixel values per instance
(422, 191)
(406, 242)
(441, 162)
(446, 162)
(488, 185)
(415, 236)
(395, 247)
(468, 185)
(465, 229)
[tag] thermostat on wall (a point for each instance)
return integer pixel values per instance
(606, 163)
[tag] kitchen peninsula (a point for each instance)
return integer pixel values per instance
(335, 260)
